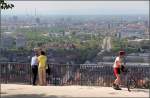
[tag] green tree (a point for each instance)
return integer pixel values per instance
(5, 5)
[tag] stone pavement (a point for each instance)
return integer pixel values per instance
(29, 91)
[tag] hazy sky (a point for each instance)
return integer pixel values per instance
(78, 7)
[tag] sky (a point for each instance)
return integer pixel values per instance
(78, 8)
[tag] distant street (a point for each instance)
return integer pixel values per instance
(106, 44)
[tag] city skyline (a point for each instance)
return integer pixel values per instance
(78, 8)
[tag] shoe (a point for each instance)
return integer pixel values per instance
(114, 85)
(118, 88)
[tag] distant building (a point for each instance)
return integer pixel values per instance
(59, 34)
(66, 33)
(130, 32)
(136, 30)
(7, 40)
(20, 41)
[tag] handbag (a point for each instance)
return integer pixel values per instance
(48, 71)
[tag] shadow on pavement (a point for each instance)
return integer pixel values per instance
(140, 90)
(3, 93)
(32, 96)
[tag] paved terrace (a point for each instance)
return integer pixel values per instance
(28, 91)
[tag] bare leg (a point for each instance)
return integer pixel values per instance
(117, 81)
(44, 77)
(40, 76)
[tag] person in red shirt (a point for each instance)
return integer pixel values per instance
(117, 69)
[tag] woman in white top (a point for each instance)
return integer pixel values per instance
(34, 66)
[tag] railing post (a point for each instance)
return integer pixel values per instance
(30, 74)
(80, 75)
(0, 74)
(6, 69)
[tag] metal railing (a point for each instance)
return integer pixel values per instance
(81, 74)
(15, 73)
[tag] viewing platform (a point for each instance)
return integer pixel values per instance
(71, 81)
(29, 91)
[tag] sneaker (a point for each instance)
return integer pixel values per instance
(118, 88)
(114, 85)
(33, 84)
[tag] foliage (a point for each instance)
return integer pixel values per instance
(5, 5)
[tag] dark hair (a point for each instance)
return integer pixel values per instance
(121, 53)
(42, 53)
(36, 54)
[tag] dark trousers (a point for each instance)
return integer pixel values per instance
(34, 74)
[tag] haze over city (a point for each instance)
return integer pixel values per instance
(78, 8)
(69, 43)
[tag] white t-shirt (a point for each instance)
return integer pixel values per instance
(115, 63)
(34, 61)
